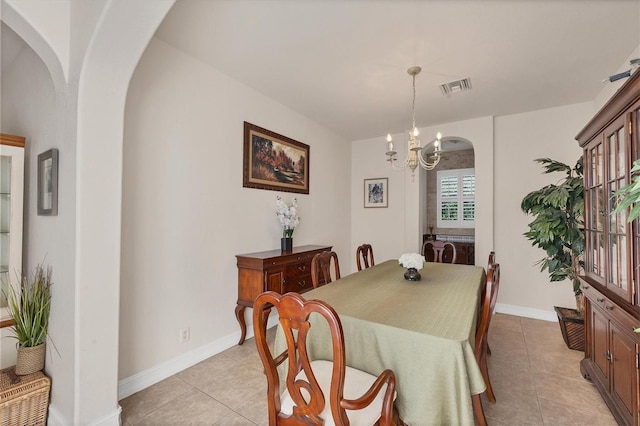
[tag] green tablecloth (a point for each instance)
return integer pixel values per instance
(423, 331)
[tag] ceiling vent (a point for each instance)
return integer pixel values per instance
(456, 86)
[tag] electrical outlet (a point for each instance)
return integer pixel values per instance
(185, 335)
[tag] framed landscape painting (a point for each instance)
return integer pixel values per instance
(274, 162)
(376, 192)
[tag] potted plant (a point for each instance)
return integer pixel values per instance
(29, 305)
(558, 230)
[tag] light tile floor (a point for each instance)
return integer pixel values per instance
(536, 380)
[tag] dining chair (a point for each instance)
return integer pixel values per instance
(490, 296)
(439, 251)
(321, 264)
(490, 262)
(317, 392)
(364, 253)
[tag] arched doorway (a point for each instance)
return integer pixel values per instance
(450, 198)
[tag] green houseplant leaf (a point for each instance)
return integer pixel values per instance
(29, 306)
(629, 195)
(557, 227)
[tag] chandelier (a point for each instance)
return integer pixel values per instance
(415, 156)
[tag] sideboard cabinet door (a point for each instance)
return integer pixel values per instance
(613, 354)
(624, 373)
(600, 344)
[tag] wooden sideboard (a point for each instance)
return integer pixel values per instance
(272, 270)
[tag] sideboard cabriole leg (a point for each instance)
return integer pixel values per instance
(243, 325)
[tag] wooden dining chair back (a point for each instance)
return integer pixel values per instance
(321, 268)
(491, 260)
(315, 390)
(439, 251)
(489, 296)
(488, 307)
(364, 256)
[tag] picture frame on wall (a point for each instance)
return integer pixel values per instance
(274, 162)
(376, 192)
(48, 183)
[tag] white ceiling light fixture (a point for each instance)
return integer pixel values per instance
(414, 150)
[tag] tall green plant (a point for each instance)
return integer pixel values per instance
(558, 225)
(29, 307)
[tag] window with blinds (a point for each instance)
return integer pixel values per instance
(456, 198)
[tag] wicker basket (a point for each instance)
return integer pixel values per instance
(572, 327)
(26, 400)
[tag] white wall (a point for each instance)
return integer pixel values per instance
(398, 229)
(185, 212)
(32, 109)
(84, 121)
(519, 139)
(505, 148)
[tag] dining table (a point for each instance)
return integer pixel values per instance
(422, 330)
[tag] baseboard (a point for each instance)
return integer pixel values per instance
(153, 375)
(57, 419)
(521, 311)
(112, 419)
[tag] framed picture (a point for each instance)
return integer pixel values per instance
(274, 162)
(48, 183)
(376, 192)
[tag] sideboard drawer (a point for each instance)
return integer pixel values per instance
(297, 276)
(288, 259)
(628, 322)
(297, 284)
(297, 270)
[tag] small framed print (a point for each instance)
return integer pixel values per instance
(376, 192)
(48, 183)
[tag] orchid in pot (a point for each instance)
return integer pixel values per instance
(289, 219)
(413, 262)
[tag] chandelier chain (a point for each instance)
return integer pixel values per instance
(413, 104)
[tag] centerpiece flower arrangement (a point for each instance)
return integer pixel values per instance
(289, 219)
(413, 262)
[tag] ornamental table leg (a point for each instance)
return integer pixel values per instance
(243, 325)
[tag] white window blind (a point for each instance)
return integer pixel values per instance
(456, 198)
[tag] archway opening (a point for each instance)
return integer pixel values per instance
(450, 198)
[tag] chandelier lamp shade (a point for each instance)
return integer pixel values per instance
(415, 155)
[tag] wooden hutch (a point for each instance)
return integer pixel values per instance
(611, 142)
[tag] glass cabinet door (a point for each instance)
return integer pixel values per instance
(5, 228)
(608, 250)
(635, 149)
(594, 206)
(617, 256)
(11, 193)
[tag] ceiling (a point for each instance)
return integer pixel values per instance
(344, 63)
